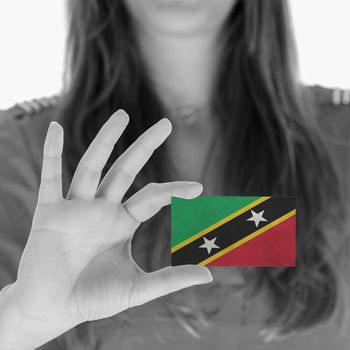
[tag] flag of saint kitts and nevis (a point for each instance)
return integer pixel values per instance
(233, 231)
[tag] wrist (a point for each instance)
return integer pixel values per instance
(18, 330)
(12, 327)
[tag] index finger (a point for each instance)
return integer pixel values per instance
(50, 190)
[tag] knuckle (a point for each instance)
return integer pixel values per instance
(153, 207)
(149, 192)
(90, 167)
(147, 147)
(134, 219)
(52, 178)
(104, 142)
(166, 275)
(151, 186)
(124, 173)
(79, 193)
(146, 143)
(50, 156)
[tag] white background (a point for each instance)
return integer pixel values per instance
(32, 35)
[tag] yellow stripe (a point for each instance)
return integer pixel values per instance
(247, 238)
(218, 223)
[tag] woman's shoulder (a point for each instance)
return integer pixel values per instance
(22, 133)
(332, 110)
(23, 126)
(36, 112)
(330, 97)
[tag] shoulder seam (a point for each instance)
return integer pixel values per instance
(331, 96)
(35, 106)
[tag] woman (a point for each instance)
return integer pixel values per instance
(223, 72)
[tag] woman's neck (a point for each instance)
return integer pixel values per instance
(182, 69)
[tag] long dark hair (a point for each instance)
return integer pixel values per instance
(272, 146)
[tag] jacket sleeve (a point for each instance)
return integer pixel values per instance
(19, 185)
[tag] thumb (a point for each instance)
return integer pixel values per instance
(167, 280)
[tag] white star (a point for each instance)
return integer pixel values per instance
(257, 217)
(209, 244)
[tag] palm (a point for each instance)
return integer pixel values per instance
(90, 256)
(105, 287)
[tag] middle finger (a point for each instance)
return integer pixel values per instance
(88, 172)
(123, 172)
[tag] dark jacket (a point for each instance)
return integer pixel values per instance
(22, 133)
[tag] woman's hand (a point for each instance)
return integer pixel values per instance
(77, 264)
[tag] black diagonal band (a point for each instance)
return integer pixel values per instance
(233, 230)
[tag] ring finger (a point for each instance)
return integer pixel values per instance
(123, 172)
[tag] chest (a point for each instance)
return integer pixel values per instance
(196, 156)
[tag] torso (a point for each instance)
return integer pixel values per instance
(150, 326)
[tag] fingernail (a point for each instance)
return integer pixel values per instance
(194, 183)
(165, 122)
(120, 114)
(196, 187)
(55, 124)
(208, 276)
(55, 128)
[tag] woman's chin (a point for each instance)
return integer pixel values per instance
(180, 21)
(181, 17)
(179, 4)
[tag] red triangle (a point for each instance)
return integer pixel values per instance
(274, 247)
